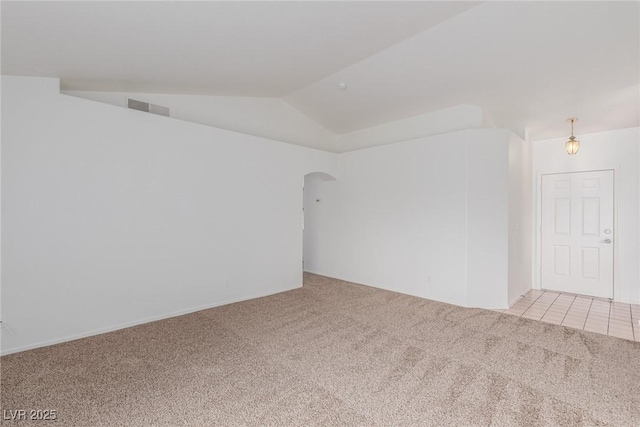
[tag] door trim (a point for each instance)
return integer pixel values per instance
(537, 252)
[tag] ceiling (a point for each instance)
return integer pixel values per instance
(530, 65)
(216, 48)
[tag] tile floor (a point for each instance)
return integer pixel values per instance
(581, 312)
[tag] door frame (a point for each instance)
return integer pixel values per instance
(537, 252)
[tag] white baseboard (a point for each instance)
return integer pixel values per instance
(138, 322)
(515, 300)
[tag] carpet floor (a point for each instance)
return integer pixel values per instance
(332, 353)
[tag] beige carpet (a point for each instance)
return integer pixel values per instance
(333, 353)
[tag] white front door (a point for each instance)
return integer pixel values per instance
(577, 233)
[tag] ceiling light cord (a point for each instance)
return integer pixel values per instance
(572, 120)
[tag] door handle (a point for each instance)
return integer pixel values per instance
(607, 241)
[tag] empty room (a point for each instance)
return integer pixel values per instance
(362, 213)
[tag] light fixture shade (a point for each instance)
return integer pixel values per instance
(572, 145)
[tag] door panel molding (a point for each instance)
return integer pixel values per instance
(589, 206)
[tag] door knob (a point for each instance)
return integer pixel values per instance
(607, 241)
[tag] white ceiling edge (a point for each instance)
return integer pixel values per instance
(459, 117)
(618, 109)
(584, 137)
(266, 117)
(272, 118)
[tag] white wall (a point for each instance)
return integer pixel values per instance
(112, 217)
(520, 217)
(271, 118)
(618, 150)
(426, 217)
(487, 218)
(118, 217)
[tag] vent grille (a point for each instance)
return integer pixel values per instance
(134, 104)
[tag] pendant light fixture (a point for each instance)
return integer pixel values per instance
(572, 145)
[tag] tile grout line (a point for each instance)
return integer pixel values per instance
(633, 328)
(619, 320)
(554, 300)
(569, 308)
(608, 318)
(587, 316)
(536, 300)
(522, 296)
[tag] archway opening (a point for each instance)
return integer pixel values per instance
(319, 203)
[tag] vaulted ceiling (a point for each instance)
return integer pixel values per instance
(530, 65)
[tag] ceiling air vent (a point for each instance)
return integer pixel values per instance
(147, 107)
